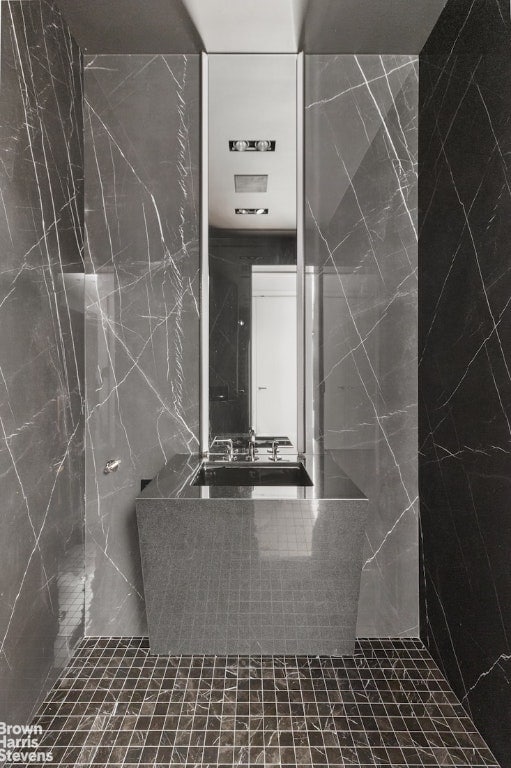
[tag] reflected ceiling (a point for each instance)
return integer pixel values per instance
(252, 97)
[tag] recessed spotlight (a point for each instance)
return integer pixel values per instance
(252, 145)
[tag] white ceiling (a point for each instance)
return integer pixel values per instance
(248, 26)
(252, 97)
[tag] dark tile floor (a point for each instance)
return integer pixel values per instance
(388, 705)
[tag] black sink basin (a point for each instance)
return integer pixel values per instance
(290, 473)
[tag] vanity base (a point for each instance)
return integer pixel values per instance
(236, 576)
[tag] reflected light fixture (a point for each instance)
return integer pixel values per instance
(252, 145)
(250, 211)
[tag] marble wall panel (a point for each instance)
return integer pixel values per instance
(142, 306)
(361, 286)
(41, 353)
(465, 359)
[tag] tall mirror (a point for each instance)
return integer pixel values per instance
(252, 245)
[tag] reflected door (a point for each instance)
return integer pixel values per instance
(274, 361)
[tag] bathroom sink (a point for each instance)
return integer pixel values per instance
(270, 473)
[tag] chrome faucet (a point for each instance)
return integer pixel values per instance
(274, 450)
(251, 444)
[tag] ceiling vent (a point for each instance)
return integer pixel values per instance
(249, 183)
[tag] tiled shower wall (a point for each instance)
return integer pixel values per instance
(41, 379)
(142, 307)
(361, 284)
(465, 358)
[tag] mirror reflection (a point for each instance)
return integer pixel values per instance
(252, 246)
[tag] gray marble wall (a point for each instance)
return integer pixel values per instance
(465, 359)
(142, 306)
(41, 351)
(361, 285)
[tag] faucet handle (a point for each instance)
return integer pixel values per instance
(274, 450)
(228, 445)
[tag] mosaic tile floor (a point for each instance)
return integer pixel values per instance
(388, 705)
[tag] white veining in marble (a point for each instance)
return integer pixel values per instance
(464, 366)
(142, 298)
(41, 375)
(361, 251)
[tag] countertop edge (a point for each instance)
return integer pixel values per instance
(173, 482)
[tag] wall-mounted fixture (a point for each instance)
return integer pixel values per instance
(112, 465)
(252, 145)
(256, 211)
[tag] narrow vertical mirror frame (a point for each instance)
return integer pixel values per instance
(204, 265)
(300, 257)
(204, 258)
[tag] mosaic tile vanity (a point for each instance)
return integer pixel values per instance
(242, 569)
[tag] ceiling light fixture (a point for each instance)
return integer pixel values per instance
(252, 145)
(250, 211)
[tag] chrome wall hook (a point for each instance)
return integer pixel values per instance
(112, 465)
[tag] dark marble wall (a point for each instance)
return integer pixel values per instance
(465, 358)
(361, 286)
(41, 350)
(142, 306)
